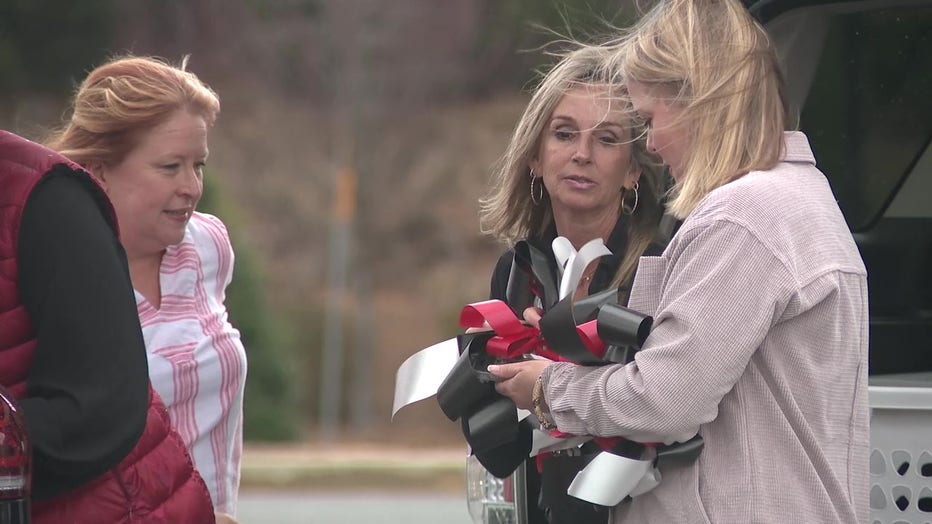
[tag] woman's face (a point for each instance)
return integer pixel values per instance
(666, 135)
(157, 186)
(585, 154)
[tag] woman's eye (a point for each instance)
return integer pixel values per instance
(169, 167)
(563, 135)
(610, 140)
(199, 168)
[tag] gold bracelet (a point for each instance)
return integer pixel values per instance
(537, 400)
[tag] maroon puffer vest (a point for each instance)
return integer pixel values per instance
(157, 481)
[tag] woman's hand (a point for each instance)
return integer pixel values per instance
(485, 327)
(223, 518)
(516, 380)
(532, 316)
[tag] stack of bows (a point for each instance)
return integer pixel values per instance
(592, 331)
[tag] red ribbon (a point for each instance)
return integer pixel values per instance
(513, 338)
(589, 334)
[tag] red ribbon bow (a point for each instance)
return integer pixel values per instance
(514, 338)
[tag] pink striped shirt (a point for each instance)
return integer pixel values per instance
(197, 362)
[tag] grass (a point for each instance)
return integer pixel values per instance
(342, 467)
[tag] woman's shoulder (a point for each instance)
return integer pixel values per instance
(211, 240)
(792, 185)
(500, 275)
(504, 260)
(789, 209)
(204, 226)
(761, 199)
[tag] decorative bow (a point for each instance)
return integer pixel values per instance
(594, 330)
(581, 332)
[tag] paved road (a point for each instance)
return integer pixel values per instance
(295, 507)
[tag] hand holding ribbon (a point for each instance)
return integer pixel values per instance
(512, 338)
(516, 380)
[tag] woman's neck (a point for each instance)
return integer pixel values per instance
(579, 229)
(144, 272)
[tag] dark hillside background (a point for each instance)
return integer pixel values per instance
(406, 105)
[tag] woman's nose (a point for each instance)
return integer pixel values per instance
(192, 184)
(651, 146)
(583, 150)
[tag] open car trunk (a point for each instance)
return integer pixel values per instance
(859, 75)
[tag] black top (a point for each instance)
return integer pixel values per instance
(87, 388)
(573, 510)
(605, 271)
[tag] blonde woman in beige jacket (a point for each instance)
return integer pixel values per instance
(759, 341)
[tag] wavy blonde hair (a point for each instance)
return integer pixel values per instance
(507, 213)
(124, 97)
(721, 68)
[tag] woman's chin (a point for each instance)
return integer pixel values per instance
(174, 238)
(581, 207)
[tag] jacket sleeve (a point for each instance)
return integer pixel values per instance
(721, 291)
(87, 387)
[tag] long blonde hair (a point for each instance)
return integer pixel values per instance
(507, 212)
(719, 65)
(123, 97)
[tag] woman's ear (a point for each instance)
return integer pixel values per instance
(632, 177)
(533, 164)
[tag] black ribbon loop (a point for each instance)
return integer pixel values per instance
(503, 460)
(620, 326)
(467, 385)
(558, 326)
(536, 266)
(680, 453)
(492, 424)
(489, 421)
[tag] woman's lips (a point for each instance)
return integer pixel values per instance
(579, 182)
(181, 215)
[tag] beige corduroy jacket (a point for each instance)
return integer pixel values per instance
(759, 343)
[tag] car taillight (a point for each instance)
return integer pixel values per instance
(492, 500)
(15, 463)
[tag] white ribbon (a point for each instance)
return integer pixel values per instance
(609, 478)
(421, 374)
(544, 442)
(572, 264)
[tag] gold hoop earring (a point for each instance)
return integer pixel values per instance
(536, 199)
(633, 207)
